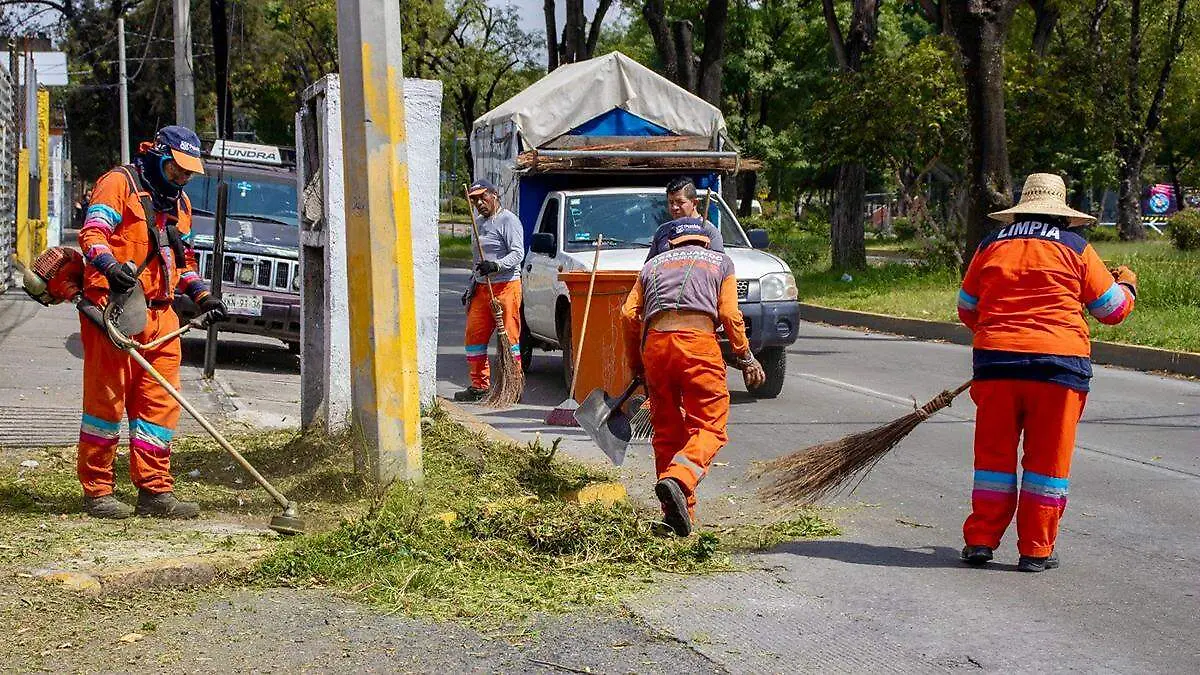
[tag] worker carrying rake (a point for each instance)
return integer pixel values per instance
(497, 252)
(670, 318)
(136, 239)
(1023, 297)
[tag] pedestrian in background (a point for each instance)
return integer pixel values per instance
(1023, 297)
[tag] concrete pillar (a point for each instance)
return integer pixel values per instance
(325, 328)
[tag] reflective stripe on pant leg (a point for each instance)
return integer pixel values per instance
(153, 413)
(997, 433)
(480, 326)
(705, 398)
(105, 377)
(1051, 419)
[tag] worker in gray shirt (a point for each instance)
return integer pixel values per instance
(682, 202)
(502, 239)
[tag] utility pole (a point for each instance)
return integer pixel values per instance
(185, 96)
(220, 37)
(123, 89)
(383, 316)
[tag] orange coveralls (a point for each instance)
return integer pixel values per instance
(1023, 297)
(481, 324)
(115, 224)
(669, 320)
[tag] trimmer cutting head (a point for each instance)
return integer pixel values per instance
(288, 523)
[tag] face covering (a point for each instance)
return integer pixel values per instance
(163, 193)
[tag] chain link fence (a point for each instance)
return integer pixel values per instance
(8, 178)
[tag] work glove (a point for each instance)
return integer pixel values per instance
(121, 278)
(1126, 278)
(752, 371)
(213, 304)
(487, 267)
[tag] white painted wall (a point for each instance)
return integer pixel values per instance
(423, 103)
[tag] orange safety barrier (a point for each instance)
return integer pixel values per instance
(603, 363)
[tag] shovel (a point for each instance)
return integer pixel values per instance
(608, 426)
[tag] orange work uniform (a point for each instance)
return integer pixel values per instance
(501, 239)
(115, 231)
(1023, 297)
(669, 320)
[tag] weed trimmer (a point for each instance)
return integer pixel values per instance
(564, 414)
(288, 522)
(509, 380)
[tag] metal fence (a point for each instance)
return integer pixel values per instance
(8, 178)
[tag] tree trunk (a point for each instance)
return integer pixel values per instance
(573, 31)
(655, 14)
(1047, 14)
(597, 25)
(712, 60)
(684, 54)
(849, 246)
(746, 191)
(980, 30)
(551, 36)
(1130, 158)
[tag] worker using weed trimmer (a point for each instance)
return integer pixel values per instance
(499, 248)
(682, 202)
(670, 319)
(1023, 297)
(136, 239)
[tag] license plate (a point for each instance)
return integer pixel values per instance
(243, 305)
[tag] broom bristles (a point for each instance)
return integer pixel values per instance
(508, 381)
(823, 470)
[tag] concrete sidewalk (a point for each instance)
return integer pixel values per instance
(257, 382)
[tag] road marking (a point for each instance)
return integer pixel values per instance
(1112, 454)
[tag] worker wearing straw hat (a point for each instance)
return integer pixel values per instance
(1023, 297)
(670, 317)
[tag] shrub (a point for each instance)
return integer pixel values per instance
(1098, 233)
(905, 229)
(1185, 230)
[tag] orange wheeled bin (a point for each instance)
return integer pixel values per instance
(603, 363)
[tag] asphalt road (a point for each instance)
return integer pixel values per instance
(889, 593)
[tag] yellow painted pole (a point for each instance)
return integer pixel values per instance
(24, 236)
(383, 317)
(41, 227)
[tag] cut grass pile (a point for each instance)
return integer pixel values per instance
(486, 539)
(1167, 314)
(454, 248)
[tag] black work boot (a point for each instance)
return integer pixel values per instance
(675, 511)
(976, 555)
(106, 506)
(165, 505)
(470, 395)
(1028, 563)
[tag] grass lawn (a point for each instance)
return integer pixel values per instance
(454, 248)
(1167, 313)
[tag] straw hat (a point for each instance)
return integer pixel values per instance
(1044, 194)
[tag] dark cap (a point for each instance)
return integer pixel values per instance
(481, 186)
(683, 230)
(183, 145)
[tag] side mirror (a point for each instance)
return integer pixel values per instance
(543, 242)
(759, 238)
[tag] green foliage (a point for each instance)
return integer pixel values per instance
(905, 228)
(1185, 230)
(1097, 234)
(487, 539)
(801, 244)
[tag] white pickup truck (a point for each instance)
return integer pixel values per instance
(564, 239)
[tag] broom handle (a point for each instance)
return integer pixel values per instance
(496, 313)
(587, 308)
(707, 201)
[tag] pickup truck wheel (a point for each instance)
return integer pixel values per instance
(526, 346)
(774, 362)
(564, 340)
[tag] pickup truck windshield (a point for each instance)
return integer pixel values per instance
(630, 220)
(272, 199)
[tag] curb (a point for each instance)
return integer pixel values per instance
(178, 572)
(455, 263)
(1105, 353)
(473, 422)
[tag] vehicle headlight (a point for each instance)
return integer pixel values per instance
(246, 274)
(777, 286)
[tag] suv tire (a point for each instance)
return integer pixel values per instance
(526, 345)
(774, 363)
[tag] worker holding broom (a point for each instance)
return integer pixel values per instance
(498, 251)
(670, 318)
(136, 237)
(1023, 297)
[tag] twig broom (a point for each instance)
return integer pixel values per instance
(822, 470)
(564, 414)
(508, 381)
